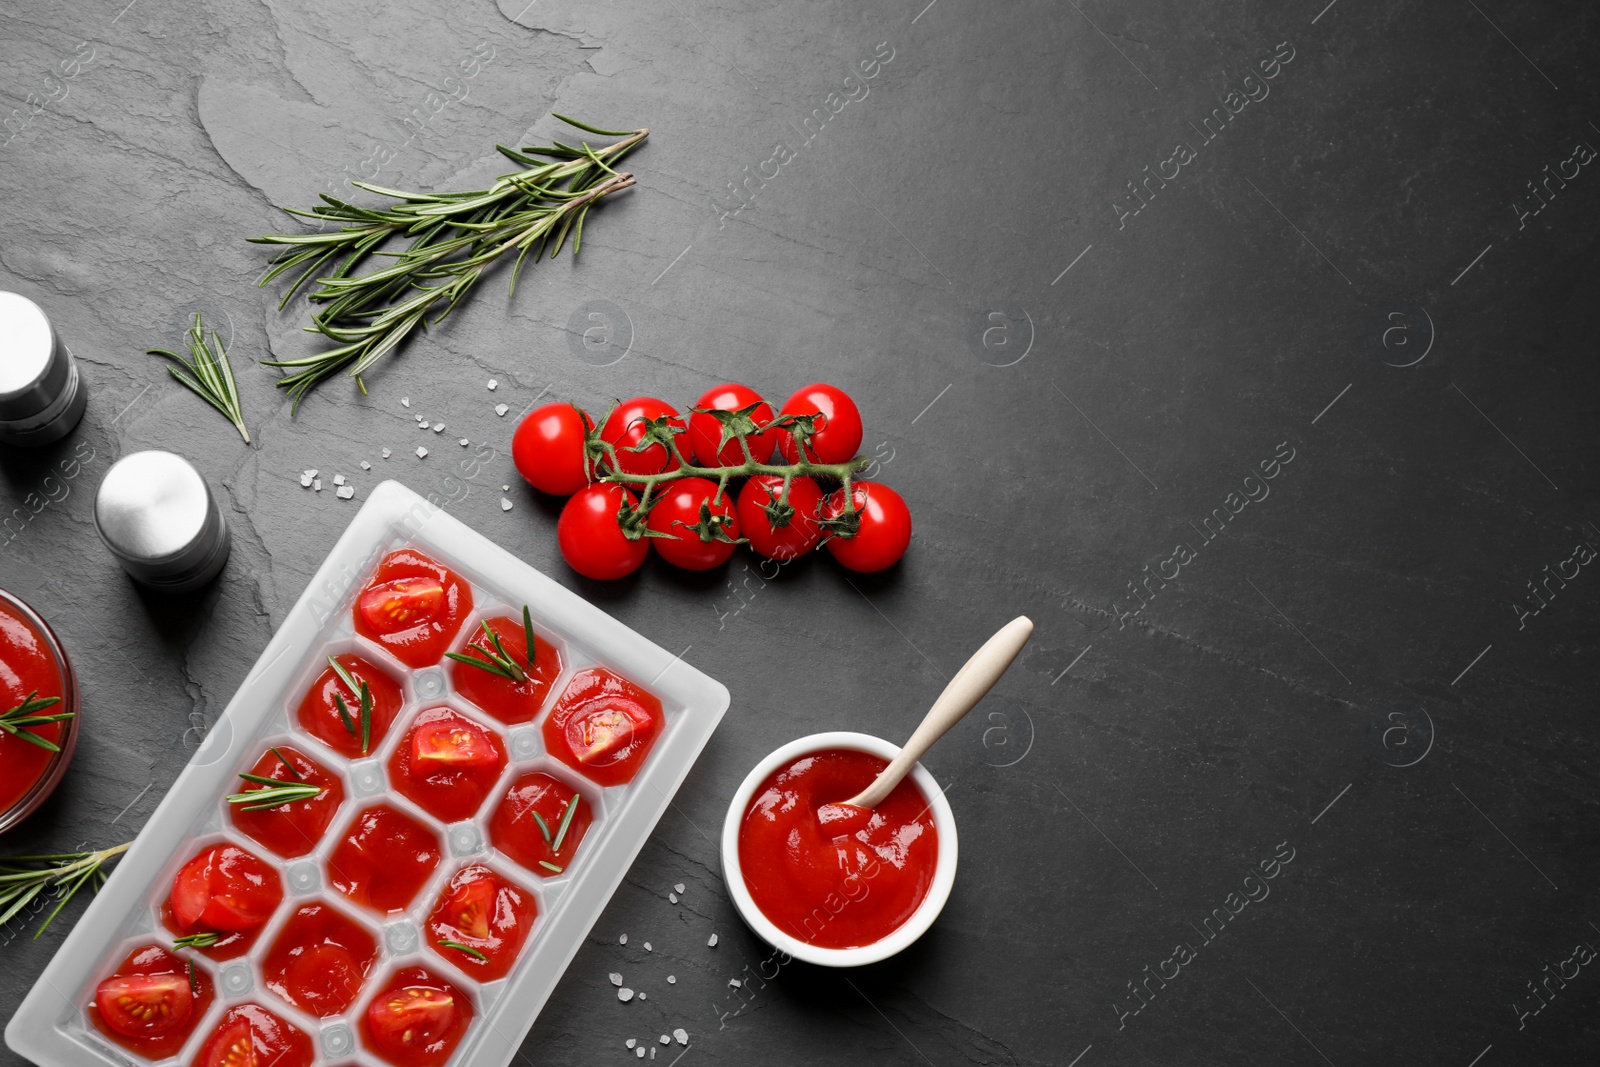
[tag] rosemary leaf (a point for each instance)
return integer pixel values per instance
(344, 712)
(544, 827)
(366, 719)
(64, 873)
(209, 374)
(286, 763)
(205, 939)
(527, 616)
(566, 821)
(20, 720)
(468, 949)
(549, 866)
(345, 676)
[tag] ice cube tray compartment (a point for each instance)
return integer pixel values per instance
(52, 1028)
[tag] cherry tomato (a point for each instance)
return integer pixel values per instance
(418, 1020)
(678, 510)
(624, 428)
(402, 603)
(885, 529)
(141, 1004)
(705, 431)
(799, 536)
(550, 448)
(837, 435)
(592, 541)
(603, 726)
(225, 889)
(486, 913)
(470, 907)
(451, 744)
(251, 1036)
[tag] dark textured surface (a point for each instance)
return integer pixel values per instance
(1344, 672)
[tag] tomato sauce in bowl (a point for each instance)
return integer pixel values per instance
(36, 682)
(413, 606)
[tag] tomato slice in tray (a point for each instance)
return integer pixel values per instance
(470, 907)
(232, 1047)
(224, 889)
(454, 744)
(401, 603)
(142, 1004)
(597, 735)
(413, 1017)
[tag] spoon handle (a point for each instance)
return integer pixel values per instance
(975, 678)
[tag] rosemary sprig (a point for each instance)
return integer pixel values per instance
(273, 793)
(544, 827)
(365, 694)
(24, 878)
(549, 866)
(495, 659)
(297, 776)
(566, 821)
(468, 949)
(205, 939)
(21, 720)
(366, 719)
(210, 374)
(453, 238)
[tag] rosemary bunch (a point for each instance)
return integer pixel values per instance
(24, 878)
(210, 374)
(453, 239)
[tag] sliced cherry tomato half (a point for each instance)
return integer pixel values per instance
(400, 604)
(470, 907)
(836, 435)
(225, 889)
(233, 1046)
(411, 1018)
(598, 735)
(452, 743)
(139, 1005)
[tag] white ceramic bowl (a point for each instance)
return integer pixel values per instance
(944, 872)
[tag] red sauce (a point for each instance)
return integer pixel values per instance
(447, 763)
(290, 829)
(384, 859)
(251, 1036)
(227, 891)
(509, 701)
(319, 711)
(603, 726)
(320, 960)
(26, 664)
(417, 1020)
(836, 892)
(485, 912)
(515, 831)
(148, 1005)
(413, 607)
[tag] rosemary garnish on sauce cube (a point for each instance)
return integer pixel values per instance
(274, 793)
(21, 720)
(204, 939)
(364, 692)
(566, 821)
(468, 949)
(487, 652)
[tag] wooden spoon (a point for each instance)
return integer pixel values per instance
(975, 678)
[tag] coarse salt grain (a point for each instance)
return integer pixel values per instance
(679, 887)
(624, 995)
(632, 1041)
(681, 1035)
(672, 979)
(421, 452)
(305, 479)
(713, 941)
(505, 504)
(405, 401)
(672, 897)
(735, 983)
(365, 465)
(616, 979)
(623, 940)
(493, 384)
(501, 409)
(338, 479)
(316, 483)
(647, 946)
(666, 1039)
(639, 1052)
(644, 996)
(345, 492)
(438, 427)
(386, 453)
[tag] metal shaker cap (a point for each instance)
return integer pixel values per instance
(40, 396)
(157, 516)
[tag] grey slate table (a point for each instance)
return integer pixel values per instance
(1093, 271)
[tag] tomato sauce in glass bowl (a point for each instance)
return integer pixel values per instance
(39, 696)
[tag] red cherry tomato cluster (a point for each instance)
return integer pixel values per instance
(697, 484)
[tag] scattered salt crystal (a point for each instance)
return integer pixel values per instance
(681, 1035)
(422, 418)
(421, 452)
(345, 492)
(438, 427)
(463, 442)
(735, 983)
(493, 384)
(632, 1041)
(405, 401)
(422, 424)
(644, 996)
(616, 979)
(652, 1053)
(672, 897)
(623, 940)
(666, 1039)
(365, 465)
(505, 504)
(305, 478)
(713, 942)
(639, 1052)
(338, 479)
(647, 946)
(679, 887)
(386, 453)
(316, 483)
(624, 995)
(672, 979)
(501, 409)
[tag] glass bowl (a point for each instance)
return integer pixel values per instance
(68, 743)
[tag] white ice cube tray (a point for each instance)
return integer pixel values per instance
(52, 1028)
